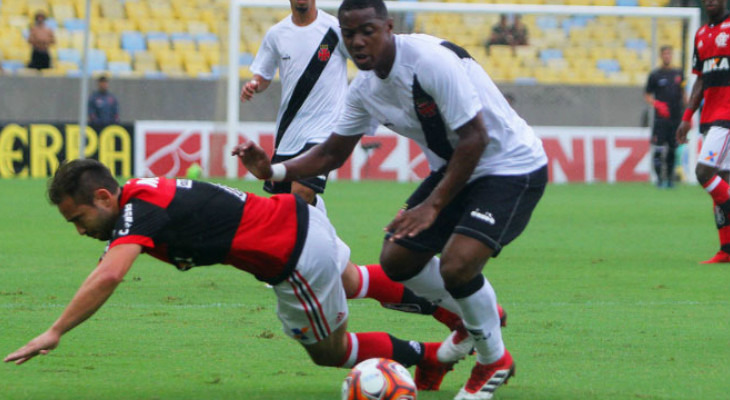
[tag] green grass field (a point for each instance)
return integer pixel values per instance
(605, 296)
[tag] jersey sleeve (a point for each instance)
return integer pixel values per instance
(651, 84)
(267, 58)
(139, 223)
(355, 119)
(696, 65)
(443, 76)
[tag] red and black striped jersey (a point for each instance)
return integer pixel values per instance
(188, 223)
(711, 61)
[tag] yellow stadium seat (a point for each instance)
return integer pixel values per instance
(149, 25)
(117, 55)
(100, 25)
(137, 10)
(123, 25)
(161, 10)
(173, 26)
(158, 44)
(62, 12)
(107, 41)
(183, 44)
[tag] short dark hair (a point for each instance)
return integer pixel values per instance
(79, 179)
(378, 5)
(665, 47)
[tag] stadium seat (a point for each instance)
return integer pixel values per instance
(74, 24)
(133, 41)
(10, 66)
(245, 59)
(69, 55)
(608, 65)
(119, 67)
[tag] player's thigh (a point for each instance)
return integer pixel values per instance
(311, 302)
(714, 151)
(498, 208)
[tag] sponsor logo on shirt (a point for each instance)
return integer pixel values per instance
(721, 39)
(286, 57)
(300, 334)
(324, 52)
(715, 64)
(426, 108)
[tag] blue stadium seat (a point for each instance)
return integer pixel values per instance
(70, 55)
(133, 41)
(550, 54)
(157, 36)
(96, 60)
(637, 44)
(10, 66)
(627, 3)
(52, 23)
(206, 37)
(245, 59)
(608, 65)
(74, 24)
(117, 67)
(155, 75)
(546, 22)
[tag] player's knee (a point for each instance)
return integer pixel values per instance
(704, 173)
(457, 270)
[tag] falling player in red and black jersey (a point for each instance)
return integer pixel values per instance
(711, 64)
(280, 240)
(665, 93)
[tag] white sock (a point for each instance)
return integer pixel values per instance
(364, 282)
(320, 204)
(430, 285)
(481, 319)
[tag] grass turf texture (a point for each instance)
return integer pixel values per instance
(605, 298)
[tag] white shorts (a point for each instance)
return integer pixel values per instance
(311, 302)
(714, 150)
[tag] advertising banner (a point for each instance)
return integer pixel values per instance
(36, 149)
(576, 154)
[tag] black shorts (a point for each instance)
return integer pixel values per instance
(665, 132)
(493, 209)
(317, 184)
(39, 60)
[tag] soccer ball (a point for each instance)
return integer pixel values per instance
(378, 379)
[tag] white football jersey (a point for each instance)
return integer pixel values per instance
(290, 48)
(429, 82)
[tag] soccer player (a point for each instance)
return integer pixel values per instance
(665, 93)
(489, 170)
(280, 240)
(711, 64)
(307, 49)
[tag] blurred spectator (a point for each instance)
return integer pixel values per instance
(518, 32)
(40, 38)
(505, 34)
(500, 33)
(103, 106)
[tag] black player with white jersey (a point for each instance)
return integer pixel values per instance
(307, 50)
(489, 171)
(664, 92)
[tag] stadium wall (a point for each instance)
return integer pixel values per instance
(31, 99)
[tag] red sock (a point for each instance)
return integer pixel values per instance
(718, 189)
(446, 317)
(362, 346)
(380, 287)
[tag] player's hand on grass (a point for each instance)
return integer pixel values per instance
(254, 158)
(42, 344)
(682, 131)
(411, 222)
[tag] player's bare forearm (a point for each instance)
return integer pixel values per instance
(473, 140)
(695, 97)
(322, 158)
(92, 294)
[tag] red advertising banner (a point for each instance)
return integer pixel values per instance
(576, 154)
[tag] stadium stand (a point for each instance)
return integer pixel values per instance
(186, 38)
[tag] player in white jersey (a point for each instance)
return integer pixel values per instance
(489, 171)
(307, 49)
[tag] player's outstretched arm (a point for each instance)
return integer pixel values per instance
(473, 140)
(320, 159)
(92, 294)
(695, 98)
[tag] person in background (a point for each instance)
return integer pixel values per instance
(518, 32)
(103, 106)
(665, 94)
(40, 38)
